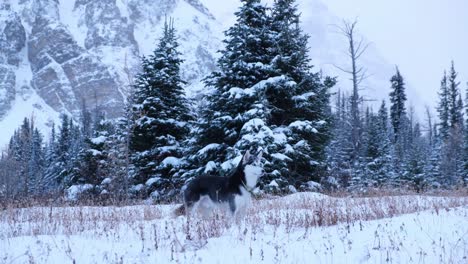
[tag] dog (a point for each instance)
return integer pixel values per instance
(206, 193)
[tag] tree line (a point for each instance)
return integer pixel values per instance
(264, 94)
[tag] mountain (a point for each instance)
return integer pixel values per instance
(56, 55)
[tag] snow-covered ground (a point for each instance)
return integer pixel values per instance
(300, 228)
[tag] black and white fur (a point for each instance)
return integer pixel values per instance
(206, 193)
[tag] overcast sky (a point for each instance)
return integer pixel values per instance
(420, 36)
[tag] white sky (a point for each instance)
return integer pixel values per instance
(420, 36)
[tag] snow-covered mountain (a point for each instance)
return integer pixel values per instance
(57, 54)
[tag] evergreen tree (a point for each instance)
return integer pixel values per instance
(432, 167)
(300, 99)
(416, 160)
(264, 96)
(161, 114)
(36, 162)
(236, 96)
(443, 108)
(451, 164)
(91, 165)
(432, 170)
(454, 99)
(25, 160)
(380, 166)
(340, 148)
(464, 173)
(50, 181)
(397, 100)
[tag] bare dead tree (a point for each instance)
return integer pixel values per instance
(356, 48)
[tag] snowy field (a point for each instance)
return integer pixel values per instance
(300, 228)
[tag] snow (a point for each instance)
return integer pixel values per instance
(99, 140)
(73, 19)
(172, 161)
(74, 191)
(253, 124)
(315, 186)
(229, 164)
(210, 166)
(95, 152)
(275, 230)
(138, 188)
(303, 125)
(280, 156)
(30, 106)
(303, 97)
(279, 138)
(273, 183)
(207, 148)
(151, 181)
(238, 93)
(106, 181)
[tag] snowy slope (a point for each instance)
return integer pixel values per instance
(301, 228)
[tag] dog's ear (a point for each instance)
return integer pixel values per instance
(246, 158)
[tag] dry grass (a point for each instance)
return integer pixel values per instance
(305, 211)
(302, 211)
(154, 228)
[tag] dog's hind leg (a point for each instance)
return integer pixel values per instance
(205, 207)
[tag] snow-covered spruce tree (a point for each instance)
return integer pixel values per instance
(443, 108)
(265, 96)
(299, 100)
(454, 100)
(119, 158)
(50, 183)
(36, 163)
(402, 128)
(340, 148)
(451, 163)
(25, 155)
(431, 169)
(397, 101)
(26, 152)
(416, 160)
(233, 117)
(62, 154)
(378, 160)
(464, 173)
(91, 166)
(161, 114)
(361, 178)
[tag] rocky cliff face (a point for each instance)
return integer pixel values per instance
(65, 52)
(12, 41)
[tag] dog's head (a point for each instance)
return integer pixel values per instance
(252, 167)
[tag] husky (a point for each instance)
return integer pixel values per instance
(206, 193)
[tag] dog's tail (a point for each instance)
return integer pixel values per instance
(179, 210)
